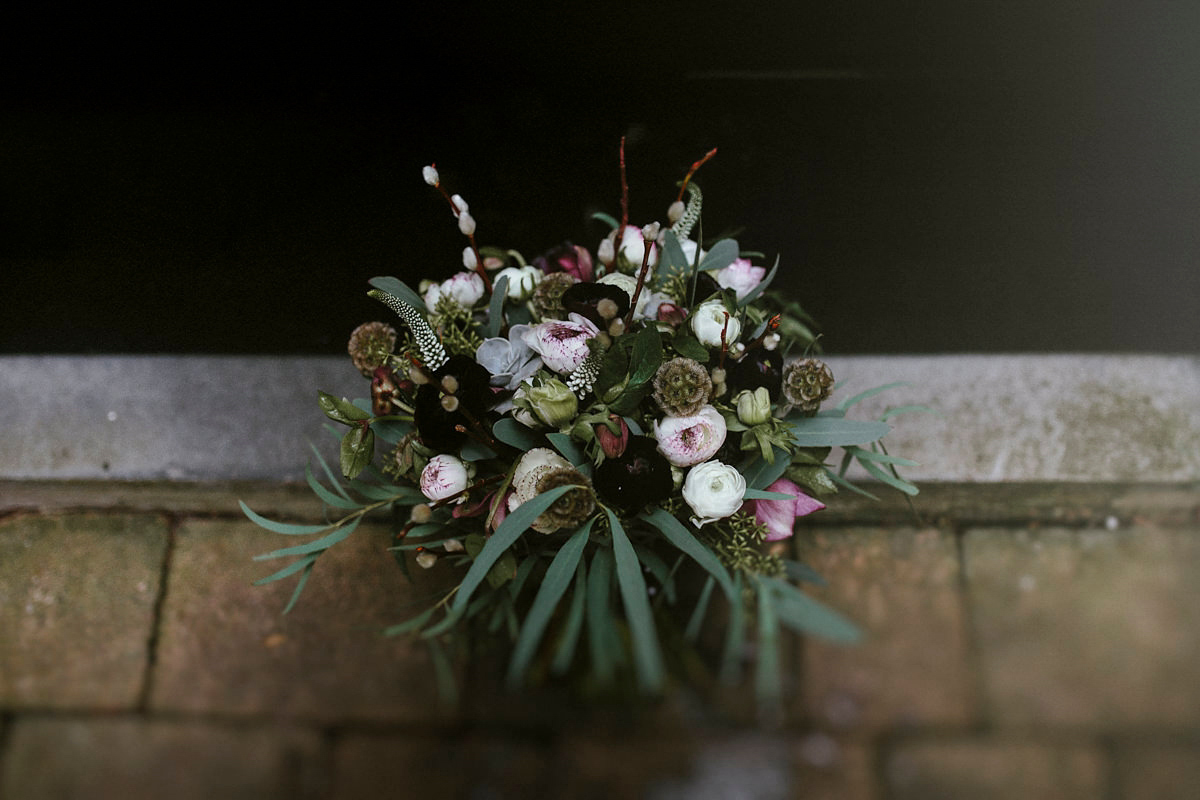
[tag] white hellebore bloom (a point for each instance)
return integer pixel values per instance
(633, 248)
(562, 344)
(521, 281)
(710, 319)
(529, 470)
(444, 476)
(689, 440)
(464, 288)
(714, 491)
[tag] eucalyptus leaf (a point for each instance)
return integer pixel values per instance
(759, 494)
(496, 306)
(514, 434)
(317, 546)
(398, 289)
(912, 409)
(572, 451)
(850, 401)
(673, 256)
(802, 572)
(607, 219)
(678, 535)
(337, 486)
(761, 473)
(885, 476)
(290, 569)
(411, 625)
(720, 255)
(327, 497)
(832, 431)
(768, 683)
(735, 635)
(692, 633)
(300, 584)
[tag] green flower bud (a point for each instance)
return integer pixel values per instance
(754, 408)
(553, 402)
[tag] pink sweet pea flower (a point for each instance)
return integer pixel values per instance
(780, 515)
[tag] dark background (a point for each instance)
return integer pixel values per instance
(937, 177)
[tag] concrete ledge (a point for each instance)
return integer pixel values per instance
(1001, 418)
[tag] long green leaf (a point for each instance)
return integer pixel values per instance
(509, 531)
(913, 409)
(682, 538)
(768, 685)
(880, 474)
(692, 633)
(337, 485)
(496, 306)
(803, 614)
(832, 431)
(608, 219)
(397, 288)
(327, 497)
(287, 528)
(762, 473)
(883, 458)
(599, 616)
(673, 256)
(735, 635)
(845, 484)
(565, 652)
(316, 546)
(410, 625)
(554, 585)
(290, 569)
(802, 572)
(444, 673)
(849, 401)
(308, 568)
(760, 494)
(659, 569)
(647, 658)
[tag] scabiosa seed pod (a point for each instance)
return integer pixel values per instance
(807, 383)
(570, 510)
(682, 387)
(547, 297)
(370, 346)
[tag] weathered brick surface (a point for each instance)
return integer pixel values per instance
(902, 587)
(994, 770)
(226, 645)
(1159, 772)
(77, 596)
(215, 497)
(1088, 627)
(829, 769)
(368, 767)
(136, 759)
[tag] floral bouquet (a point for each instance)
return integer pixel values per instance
(592, 449)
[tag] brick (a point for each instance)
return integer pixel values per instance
(829, 769)
(994, 770)
(132, 759)
(1159, 772)
(226, 645)
(902, 587)
(77, 596)
(1096, 628)
(734, 765)
(373, 766)
(176, 497)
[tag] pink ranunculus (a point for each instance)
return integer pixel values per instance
(779, 516)
(562, 344)
(569, 258)
(741, 276)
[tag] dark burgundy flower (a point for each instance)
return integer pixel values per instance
(759, 368)
(459, 391)
(568, 258)
(639, 476)
(599, 302)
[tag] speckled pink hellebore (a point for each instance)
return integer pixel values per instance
(779, 516)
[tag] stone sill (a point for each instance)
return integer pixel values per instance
(1020, 418)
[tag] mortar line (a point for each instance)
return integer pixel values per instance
(982, 721)
(143, 702)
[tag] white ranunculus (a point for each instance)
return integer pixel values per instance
(714, 491)
(432, 295)
(521, 281)
(465, 288)
(689, 440)
(710, 319)
(444, 476)
(562, 344)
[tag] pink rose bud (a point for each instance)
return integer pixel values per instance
(613, 444)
